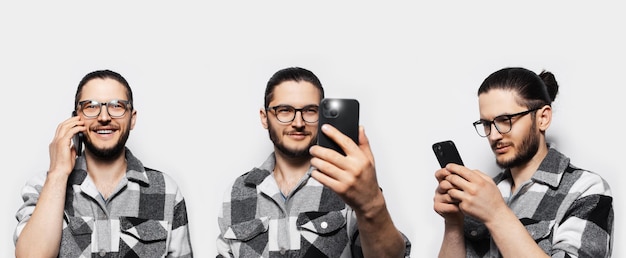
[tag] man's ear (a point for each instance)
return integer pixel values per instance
(263, 116)
(133, 119)
(544, 117)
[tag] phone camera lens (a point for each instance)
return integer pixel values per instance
(327, 104)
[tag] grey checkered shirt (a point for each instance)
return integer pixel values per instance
(256, 220)
(568, 211)
(144, 217)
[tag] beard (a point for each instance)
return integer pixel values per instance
(289, 152)
(109, 153)
(526, 151)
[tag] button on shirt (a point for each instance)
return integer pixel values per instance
(144, 217)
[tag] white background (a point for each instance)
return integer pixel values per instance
(198, 71)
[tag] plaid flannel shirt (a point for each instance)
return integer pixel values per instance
(144, 217)
(567, 211)
(256, 220)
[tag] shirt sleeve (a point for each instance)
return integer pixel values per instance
(30, 195)
(223, 221)
(180, 242)
(587, 226)
(355, 241)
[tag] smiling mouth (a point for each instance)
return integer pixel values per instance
(104, 131)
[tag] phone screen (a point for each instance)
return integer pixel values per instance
(343, 114)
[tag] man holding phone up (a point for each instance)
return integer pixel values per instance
(307, 200)
(541, 205)
(103, 203)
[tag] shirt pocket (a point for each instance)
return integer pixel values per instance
(78, 226)
(325, 231)
(475, 230)
(321, 223)
(144, 234)
(76, 236)
(247, 230)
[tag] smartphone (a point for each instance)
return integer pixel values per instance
(341, 113)
(77, 139)
(447, 152)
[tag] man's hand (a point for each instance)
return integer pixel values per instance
(62, 153)
(353, 177)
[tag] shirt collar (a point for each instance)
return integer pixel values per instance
(550, 170)
(258, 175)
(135, 171)
(552, 167)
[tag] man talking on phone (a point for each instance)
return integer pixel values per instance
(540, 205)
(307, 200)
(104, 203)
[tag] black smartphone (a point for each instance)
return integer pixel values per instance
(77, 139)
(447, 152)
(341, 113)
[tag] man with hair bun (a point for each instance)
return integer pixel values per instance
(540, 205)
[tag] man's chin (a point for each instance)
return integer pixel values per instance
(108, 153)
(507, 163)
(298, 153)
(502, 161)
(294, 152)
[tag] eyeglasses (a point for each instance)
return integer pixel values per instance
(286, 113)
(502, 123)
(116, 108)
